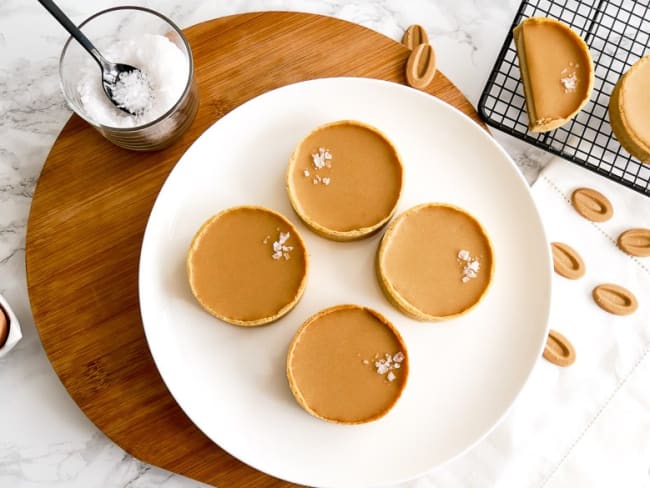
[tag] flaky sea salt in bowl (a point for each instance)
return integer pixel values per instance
(166, 99)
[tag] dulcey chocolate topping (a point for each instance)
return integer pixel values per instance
(347, 364)
(344, 177)
(435, 261)
(247, 265)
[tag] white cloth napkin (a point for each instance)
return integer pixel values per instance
(588, 424)
(15, 333)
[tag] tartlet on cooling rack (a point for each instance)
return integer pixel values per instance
(556, 70)
(629, 110)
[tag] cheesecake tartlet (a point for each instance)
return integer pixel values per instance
(629, 110)
(435, 262)
(247, 265)
(556, 70)
(344, 180)
(347, 364)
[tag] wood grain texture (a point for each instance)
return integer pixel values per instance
(91, 206)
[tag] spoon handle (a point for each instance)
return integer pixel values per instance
(74, 31)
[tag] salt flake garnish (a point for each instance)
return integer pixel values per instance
(326, 181)
(569, 82)
(280, 250)
(322, 158)
(463, 254)
(306, 172)
(382, 367)
(387, 364)
(471, 265)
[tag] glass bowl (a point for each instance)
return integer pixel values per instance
(104, 29)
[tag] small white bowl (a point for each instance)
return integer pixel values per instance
(15, 334)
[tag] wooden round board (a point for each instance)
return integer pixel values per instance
(91, 206)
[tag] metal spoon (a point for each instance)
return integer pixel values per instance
(111, 72)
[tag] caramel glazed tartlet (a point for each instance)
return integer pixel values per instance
(556, 70)
(247, 266)
(344, 180)
(347, 364)
(435, 262)
(629, 110)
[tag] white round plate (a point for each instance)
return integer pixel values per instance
(465, 373)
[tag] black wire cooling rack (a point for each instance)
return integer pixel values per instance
(618, 34)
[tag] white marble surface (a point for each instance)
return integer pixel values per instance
(45, 440)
